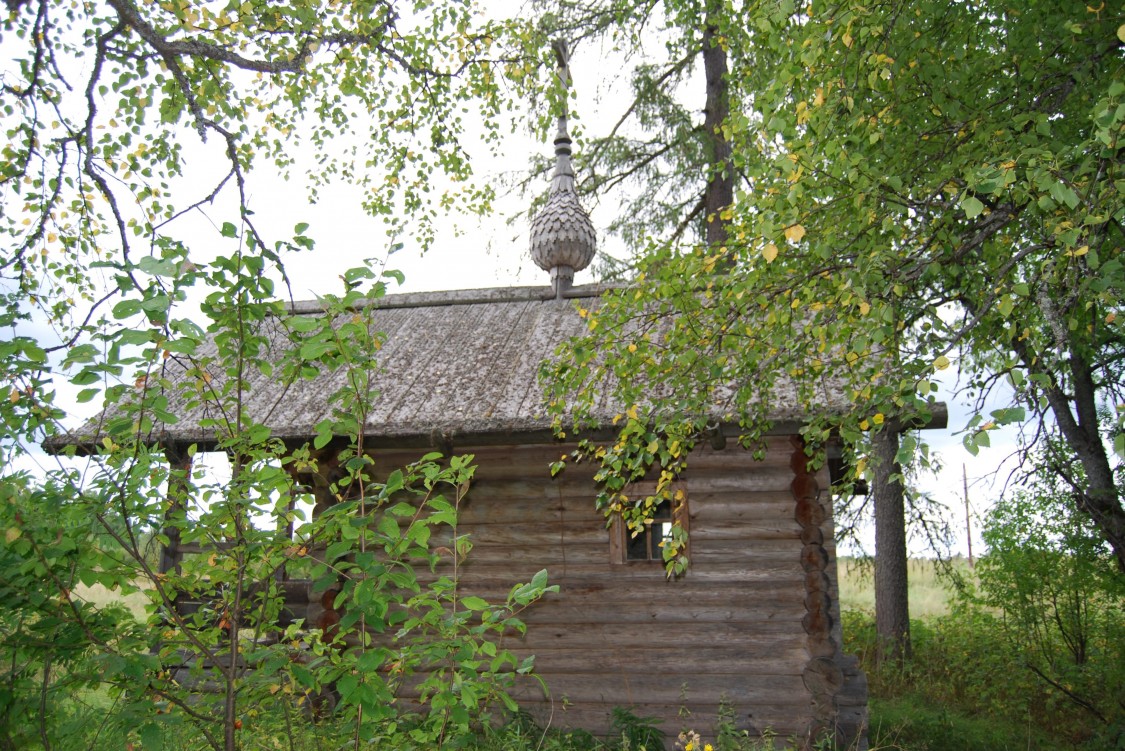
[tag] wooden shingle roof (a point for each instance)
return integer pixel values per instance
(456, 366)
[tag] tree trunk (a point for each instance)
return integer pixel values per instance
(1075, 410)
(892, 615)
(1101, 499)
(719, 194)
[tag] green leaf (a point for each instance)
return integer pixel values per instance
(152, 737)
(126, 308)
(303, 324)
(86, 395)
(229, 230)
(972, 206)
(317, 348)
(1009, 415)
(323, 438)
(906, 447)
(473, 603)
(539, 581)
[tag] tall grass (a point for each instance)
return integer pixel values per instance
(99, 596)
(928, 589)
(968, 686)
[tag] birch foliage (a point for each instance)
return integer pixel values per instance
(919, 186)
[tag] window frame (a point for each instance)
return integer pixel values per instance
(619, 532)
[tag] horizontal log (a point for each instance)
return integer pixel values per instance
(716, 508)
(579, 492)
(651, 614)
(585, 533)
(716, 557)
(684, 592)
(680, 665)
(744, 531)
(762, 635)
(766, 479)
(623, 689)
(740, 571)
(741, 506)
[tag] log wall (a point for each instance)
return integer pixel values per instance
(754, 623)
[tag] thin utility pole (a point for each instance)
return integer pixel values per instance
(968, 521)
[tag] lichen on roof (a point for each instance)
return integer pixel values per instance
(459, 365)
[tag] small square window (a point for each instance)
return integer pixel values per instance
(647, 545)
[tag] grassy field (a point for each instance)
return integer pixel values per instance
(100, 596)
(928, 593)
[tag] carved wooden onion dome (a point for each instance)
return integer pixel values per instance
(563, 239)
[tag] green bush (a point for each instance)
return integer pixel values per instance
(965, 683)
(913, 723)
(1054, 581)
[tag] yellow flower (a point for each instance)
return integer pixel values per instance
(708, 747)
(689, 746)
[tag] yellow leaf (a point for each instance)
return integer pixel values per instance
(941, 363)
(14, 396)
(632, 412)
(802, 112)
(878, 418)
(1110, 317)
(794, 233)
(860, 466)
(847, 40)
(769, 252)
(1121, 32)
(1082, 251)
(12, 534)
(864, 308)
(864, 425)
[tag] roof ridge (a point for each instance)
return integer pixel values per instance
(442, 298)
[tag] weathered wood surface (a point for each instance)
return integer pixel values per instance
(733, 629)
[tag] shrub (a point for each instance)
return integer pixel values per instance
(1061, 600)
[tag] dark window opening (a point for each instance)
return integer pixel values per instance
(646, 545)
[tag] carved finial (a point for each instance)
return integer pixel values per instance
(563, 239)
